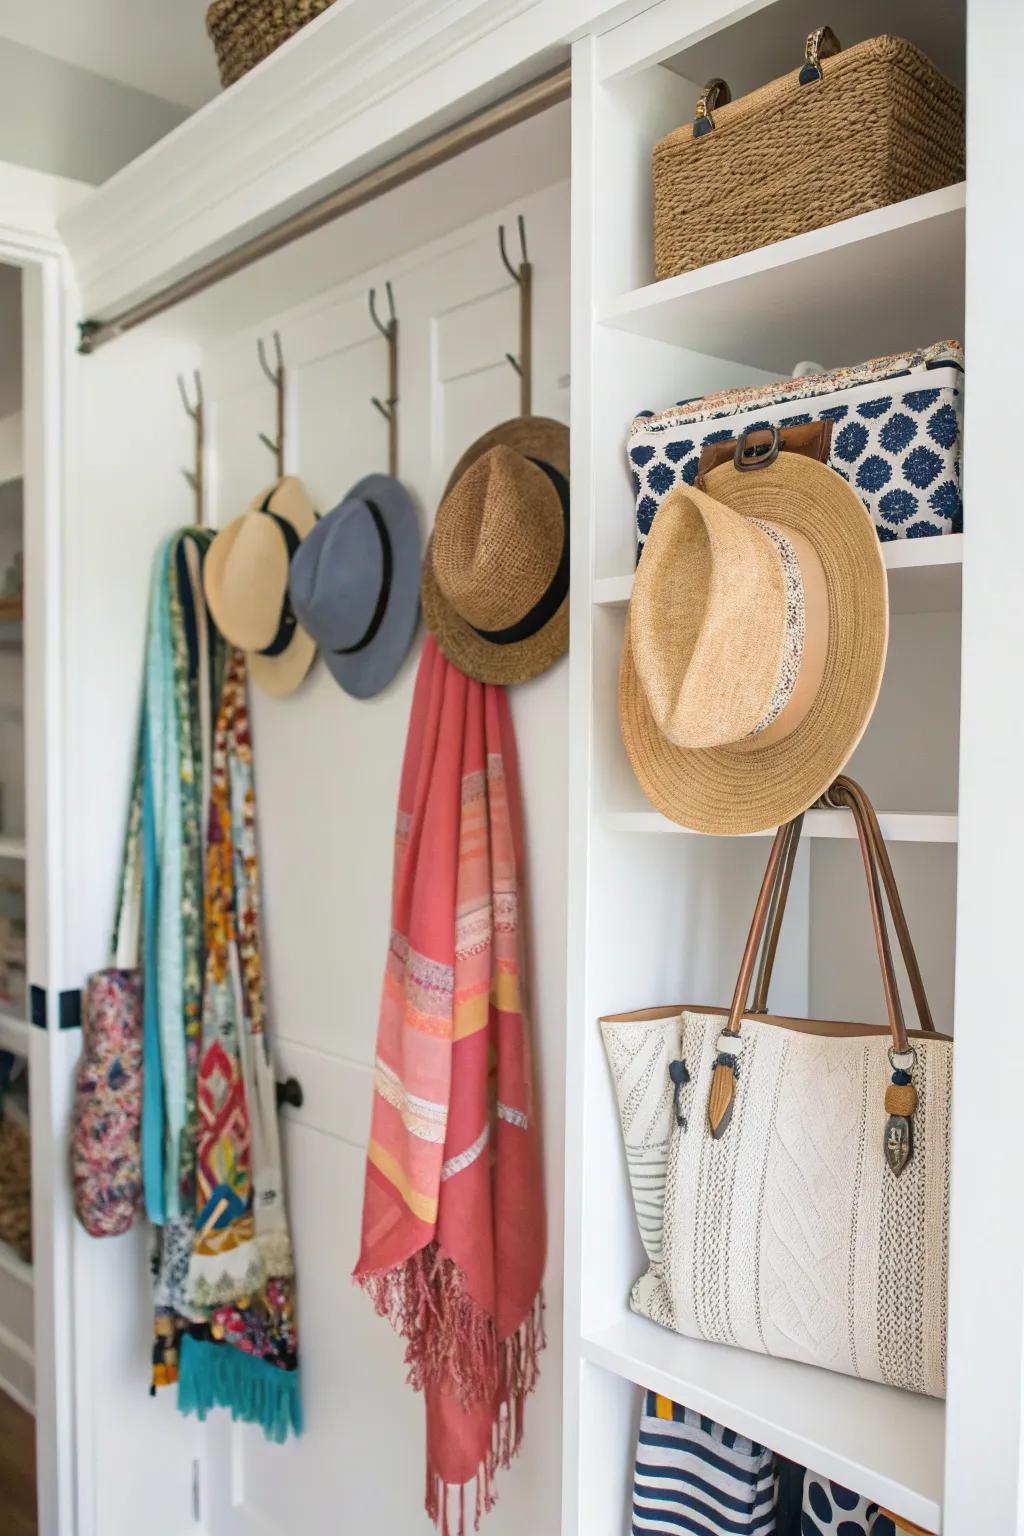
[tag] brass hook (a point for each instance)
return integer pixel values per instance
(388, 408)
(522, 276)
(276, 378)
(194, 477)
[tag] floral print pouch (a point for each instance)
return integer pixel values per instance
(106, 1139)
(106, 1117)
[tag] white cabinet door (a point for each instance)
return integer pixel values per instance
(327, 769)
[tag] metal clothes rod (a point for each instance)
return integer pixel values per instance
(516, 108)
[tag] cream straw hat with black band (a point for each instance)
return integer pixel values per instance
(245, 576)
(495, 587)
(755, 643)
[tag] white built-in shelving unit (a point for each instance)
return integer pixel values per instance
(658, 915)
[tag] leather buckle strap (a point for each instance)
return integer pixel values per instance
(759, 446)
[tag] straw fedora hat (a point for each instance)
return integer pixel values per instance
(245, 576)
(755, 642)
(355, 584)
(495, 587)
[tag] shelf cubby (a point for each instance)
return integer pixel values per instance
(658, 913)
(885, 1443)
(904, 262)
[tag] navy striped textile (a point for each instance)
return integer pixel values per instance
(694, 1478)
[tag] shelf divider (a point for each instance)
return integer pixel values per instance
(924, 576)
(905, 262)
(885, 1443)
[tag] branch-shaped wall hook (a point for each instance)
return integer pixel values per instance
(276, 377)
(522, 276)
(388, 408)
(195, 476)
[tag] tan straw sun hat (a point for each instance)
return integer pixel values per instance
(755, 641)
(495, 586)
(245, 576)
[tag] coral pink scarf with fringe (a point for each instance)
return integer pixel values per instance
(453, 1212)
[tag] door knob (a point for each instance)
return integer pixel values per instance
(289, 1092)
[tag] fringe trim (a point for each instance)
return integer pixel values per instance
(450, 1339)
(255, 1392)
(451, 1343)
(445, 1503)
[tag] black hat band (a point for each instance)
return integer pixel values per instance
(557, 590)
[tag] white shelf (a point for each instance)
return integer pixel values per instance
(924, 576)
(864, 287)
(897, 826)
(885, 1443)
(12, 847)
(14, 1034)
(13, 1264)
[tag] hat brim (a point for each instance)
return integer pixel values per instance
(732, 791)
(536, 437)
(277, 675)
(369, 671)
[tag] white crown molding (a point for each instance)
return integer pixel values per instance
(31, 203)
(363, 81)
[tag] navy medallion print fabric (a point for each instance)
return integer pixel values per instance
(896, 436)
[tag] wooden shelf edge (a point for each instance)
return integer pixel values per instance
(800, 1411)
(12, 848)
(879, 222)
(897, 826)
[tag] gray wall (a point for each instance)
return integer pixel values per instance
(68, 121)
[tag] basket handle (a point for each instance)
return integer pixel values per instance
(822, 43)
(715, 94)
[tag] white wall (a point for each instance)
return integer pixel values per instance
(327, 772)
(67, 121)
(327, 777)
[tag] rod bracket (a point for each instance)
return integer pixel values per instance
(87, 329)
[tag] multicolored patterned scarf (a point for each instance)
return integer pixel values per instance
(240, 1350)
(453, 1215)
(223, 1281)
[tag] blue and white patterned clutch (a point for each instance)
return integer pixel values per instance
(896, 438)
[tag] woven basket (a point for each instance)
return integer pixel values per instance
(245, 32)
(844, 134)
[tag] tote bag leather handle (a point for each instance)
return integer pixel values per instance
(777, 906)
(771, 904)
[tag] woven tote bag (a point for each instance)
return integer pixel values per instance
(106, 1119)
(804, 1164)
(846, 133)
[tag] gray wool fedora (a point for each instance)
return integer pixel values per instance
(355, 584)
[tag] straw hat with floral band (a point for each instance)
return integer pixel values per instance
(245, 576)
(756, 635)
(495, 586)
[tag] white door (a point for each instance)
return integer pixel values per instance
(327, 772)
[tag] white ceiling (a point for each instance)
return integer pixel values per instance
(158, 46)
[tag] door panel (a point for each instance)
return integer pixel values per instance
(327, 769)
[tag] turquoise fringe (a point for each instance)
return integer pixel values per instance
(220, 1376)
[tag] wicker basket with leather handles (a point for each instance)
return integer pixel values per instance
(245, 32)
(790, 1176)
(847, 132)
